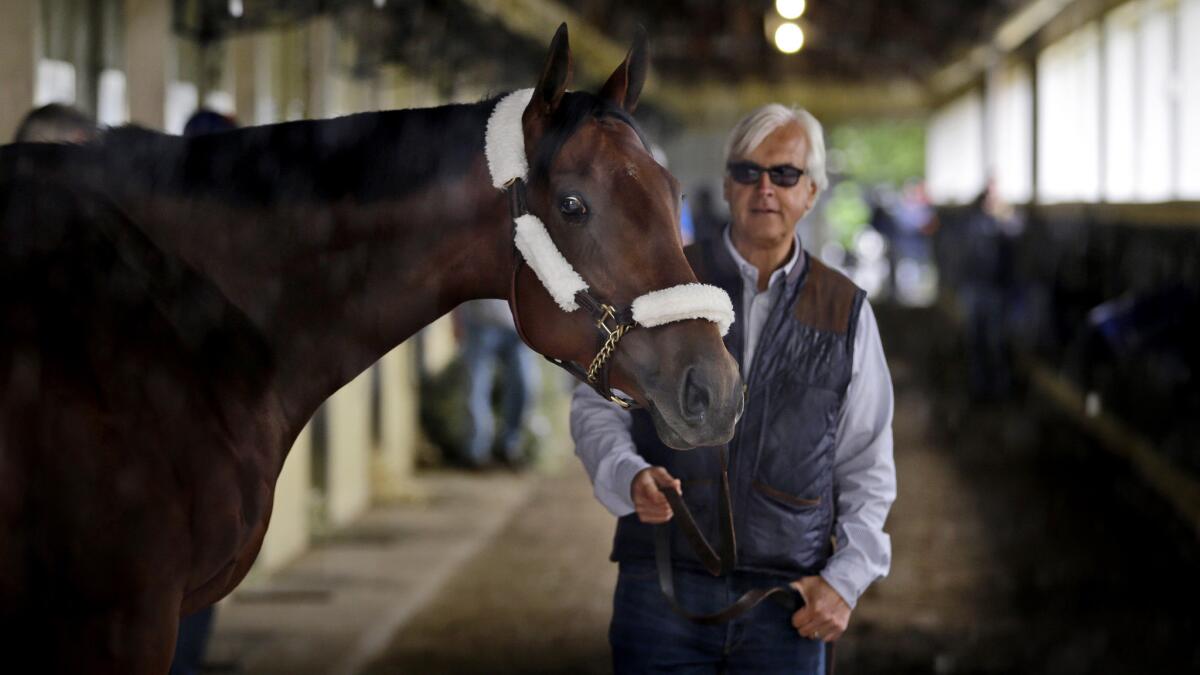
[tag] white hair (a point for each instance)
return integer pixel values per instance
(754, 128)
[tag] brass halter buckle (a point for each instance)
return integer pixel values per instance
(610, 345)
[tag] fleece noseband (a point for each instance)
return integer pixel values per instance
(505, 149)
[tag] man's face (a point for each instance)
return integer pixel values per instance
(764, 213)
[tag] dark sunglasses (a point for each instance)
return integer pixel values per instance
(748, 173)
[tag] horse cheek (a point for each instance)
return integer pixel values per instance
(544, 326)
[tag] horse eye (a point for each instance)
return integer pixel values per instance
(572, 207)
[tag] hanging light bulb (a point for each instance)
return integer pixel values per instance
(790, 9)
(789, 38)
(236, 9)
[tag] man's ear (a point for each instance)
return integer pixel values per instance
(555, 75)
(812, 195)
(624, 86)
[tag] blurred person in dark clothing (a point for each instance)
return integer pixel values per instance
(983, 293)
(205, 121)
(56, 123)
(706, 222)
(880, 200)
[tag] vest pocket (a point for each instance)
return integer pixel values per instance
(782, 531)
(784, 497)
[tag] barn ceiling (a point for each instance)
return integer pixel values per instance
(860, 56)
(846, 40)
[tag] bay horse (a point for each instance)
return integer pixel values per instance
(173, 311)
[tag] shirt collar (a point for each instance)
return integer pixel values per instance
(750, 272)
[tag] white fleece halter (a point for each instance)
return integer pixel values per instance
(505, 150)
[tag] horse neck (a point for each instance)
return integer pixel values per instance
(369, 249)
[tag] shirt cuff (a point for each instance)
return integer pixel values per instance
(623, 476)
(841, 580)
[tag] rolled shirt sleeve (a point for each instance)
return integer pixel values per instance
(864, 469)
(604, 444)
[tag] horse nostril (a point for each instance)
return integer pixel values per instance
(695, 398)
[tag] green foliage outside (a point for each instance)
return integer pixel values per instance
(871, 154)
(864, 156)
(847, 212)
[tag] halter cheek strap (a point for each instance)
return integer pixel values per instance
(505, 149)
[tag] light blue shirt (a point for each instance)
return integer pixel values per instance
(756, 306)
(864, 471)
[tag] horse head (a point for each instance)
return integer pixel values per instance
(607, 291)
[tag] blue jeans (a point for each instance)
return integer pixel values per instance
(647, 636)
(192, 641)
(484, 348)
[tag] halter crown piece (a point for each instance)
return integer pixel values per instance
(505, 150)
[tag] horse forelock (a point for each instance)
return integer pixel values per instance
(575, 109)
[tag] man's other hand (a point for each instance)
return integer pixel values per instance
(652, 506)
(825, 614)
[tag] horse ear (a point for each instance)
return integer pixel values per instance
(556, 74)
(624, 86)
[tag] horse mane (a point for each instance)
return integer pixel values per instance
(364, 157)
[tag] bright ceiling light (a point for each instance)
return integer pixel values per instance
(236, 9)
(790, 9)
(789, 38)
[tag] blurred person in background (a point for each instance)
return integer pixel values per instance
(205, 121)
(706, 222)
(195, 629)
(881, 200)
(811, 459)
(983, 293)
(56, 123)
(907, 221)
(912, 250)
(490, 342)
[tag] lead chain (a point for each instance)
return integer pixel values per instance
(610, 343)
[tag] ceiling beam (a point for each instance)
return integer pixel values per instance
(719, 105)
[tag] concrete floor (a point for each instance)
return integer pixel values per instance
(1018, 549)
(339, 604)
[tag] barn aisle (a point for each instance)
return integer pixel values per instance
(1019, 548)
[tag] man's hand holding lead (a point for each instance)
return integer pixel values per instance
(651, 505)
(825, 614)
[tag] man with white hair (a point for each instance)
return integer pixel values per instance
(810, 468)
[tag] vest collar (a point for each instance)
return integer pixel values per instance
(727, 262)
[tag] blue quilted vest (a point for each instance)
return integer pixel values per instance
(782, 452)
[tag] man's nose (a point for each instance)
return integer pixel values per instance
(764, 184)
